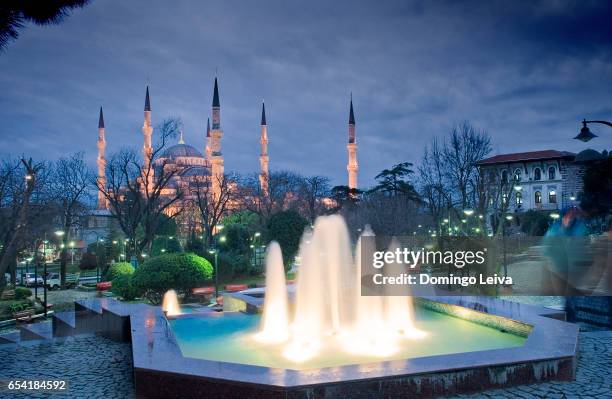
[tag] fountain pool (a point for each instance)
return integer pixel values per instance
(229, 338)
(322, 339)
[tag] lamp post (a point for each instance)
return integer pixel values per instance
(45, 242)
(586, 134)
(214, 251)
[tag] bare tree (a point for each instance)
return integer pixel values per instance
(282, 194)
(70, 182)
(312, 193)
(433, 188)
(213, 206)
(18, 189)
(465, 147)
(139, 193)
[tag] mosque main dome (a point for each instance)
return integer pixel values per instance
(181, 150)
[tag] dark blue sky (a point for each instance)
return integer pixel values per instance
(527, 72)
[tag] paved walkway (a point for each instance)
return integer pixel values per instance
(100, 368)
(593, 377)
(95, 367)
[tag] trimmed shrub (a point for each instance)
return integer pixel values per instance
(123, 286)
(22, 293)
(89, 261)
(180, 272)
(118, 269)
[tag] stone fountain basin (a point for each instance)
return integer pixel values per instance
(548, 353)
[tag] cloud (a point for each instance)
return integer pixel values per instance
(525, 72)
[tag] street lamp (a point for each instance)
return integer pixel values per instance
(215, 252)
(45, 242)
(586, 134)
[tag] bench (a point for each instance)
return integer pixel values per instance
(23, 315)
(236, 287)
(8, 294)
(104, 286)
(203, 291)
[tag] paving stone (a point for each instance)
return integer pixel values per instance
(593, 375)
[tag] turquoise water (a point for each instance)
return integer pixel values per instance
(227, 337)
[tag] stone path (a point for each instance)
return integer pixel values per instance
(95, 367)
(593, 377)
(98, 368)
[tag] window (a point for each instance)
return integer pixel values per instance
(537, 174)
(552, 197)
(492, 177)
(551, 173)
(517, 175)
(538, 197)
(519, 198)
(504, 176)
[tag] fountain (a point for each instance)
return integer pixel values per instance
(323, 320)
(329, 310)
(275, 320)
(320, 336)
(170, 304)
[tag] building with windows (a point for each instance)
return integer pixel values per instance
(546, 180)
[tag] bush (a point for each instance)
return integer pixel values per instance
(123, 286)
(88, 261)
(180, 272)
(118, 269)
(22, 293)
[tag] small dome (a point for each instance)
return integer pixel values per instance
(588, 155)
(181, 150)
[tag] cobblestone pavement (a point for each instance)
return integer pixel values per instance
(95, 367)
(593, 377)
(99, 368)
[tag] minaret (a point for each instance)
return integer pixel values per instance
(147, 131)
(101, 162)
(352, 165)
(263, 156)
(147, 148)
(207, 148)
(216, 134)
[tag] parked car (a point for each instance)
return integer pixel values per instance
(28, 280)
(54, 281)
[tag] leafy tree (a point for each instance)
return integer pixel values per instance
(245, 218)
(117, 269)
(345, 196)
(180, 272)
(286, 228)
(596, 197)
(395, 181)
(195, 244)
(166, 244)
(15, 14)
(89, 261)
(166, 226)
